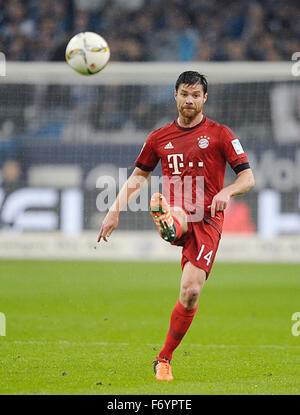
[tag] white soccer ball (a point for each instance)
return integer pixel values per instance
(87, 53)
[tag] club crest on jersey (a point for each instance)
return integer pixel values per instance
(203, 141)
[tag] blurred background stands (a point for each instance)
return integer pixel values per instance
(147, 30)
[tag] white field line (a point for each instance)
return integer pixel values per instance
(222, 346)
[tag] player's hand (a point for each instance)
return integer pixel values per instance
(219, 202)
(110, 223)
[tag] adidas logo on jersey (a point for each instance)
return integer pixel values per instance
(169, 145)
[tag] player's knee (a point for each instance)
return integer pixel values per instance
(191, 292)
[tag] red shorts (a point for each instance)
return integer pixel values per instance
(200, 244)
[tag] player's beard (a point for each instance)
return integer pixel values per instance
(189, 113)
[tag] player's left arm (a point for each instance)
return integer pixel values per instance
(243, 183)
(234, 154)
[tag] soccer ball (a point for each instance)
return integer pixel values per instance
(87, 53)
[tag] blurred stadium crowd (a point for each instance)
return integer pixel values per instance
(146, 30)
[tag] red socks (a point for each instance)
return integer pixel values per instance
(181, 319)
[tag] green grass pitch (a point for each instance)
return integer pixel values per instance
(94, 328)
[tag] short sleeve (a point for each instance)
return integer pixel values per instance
(233, 150)
(148, 158)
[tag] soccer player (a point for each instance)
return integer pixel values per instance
(193, 146)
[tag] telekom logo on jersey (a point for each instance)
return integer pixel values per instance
(176, 161)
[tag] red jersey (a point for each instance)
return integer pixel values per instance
(197, 152)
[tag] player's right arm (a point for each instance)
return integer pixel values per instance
(128, 192)
(145, 164)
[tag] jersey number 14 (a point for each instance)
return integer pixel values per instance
(207, 256)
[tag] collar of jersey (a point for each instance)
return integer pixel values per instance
(190, 128)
